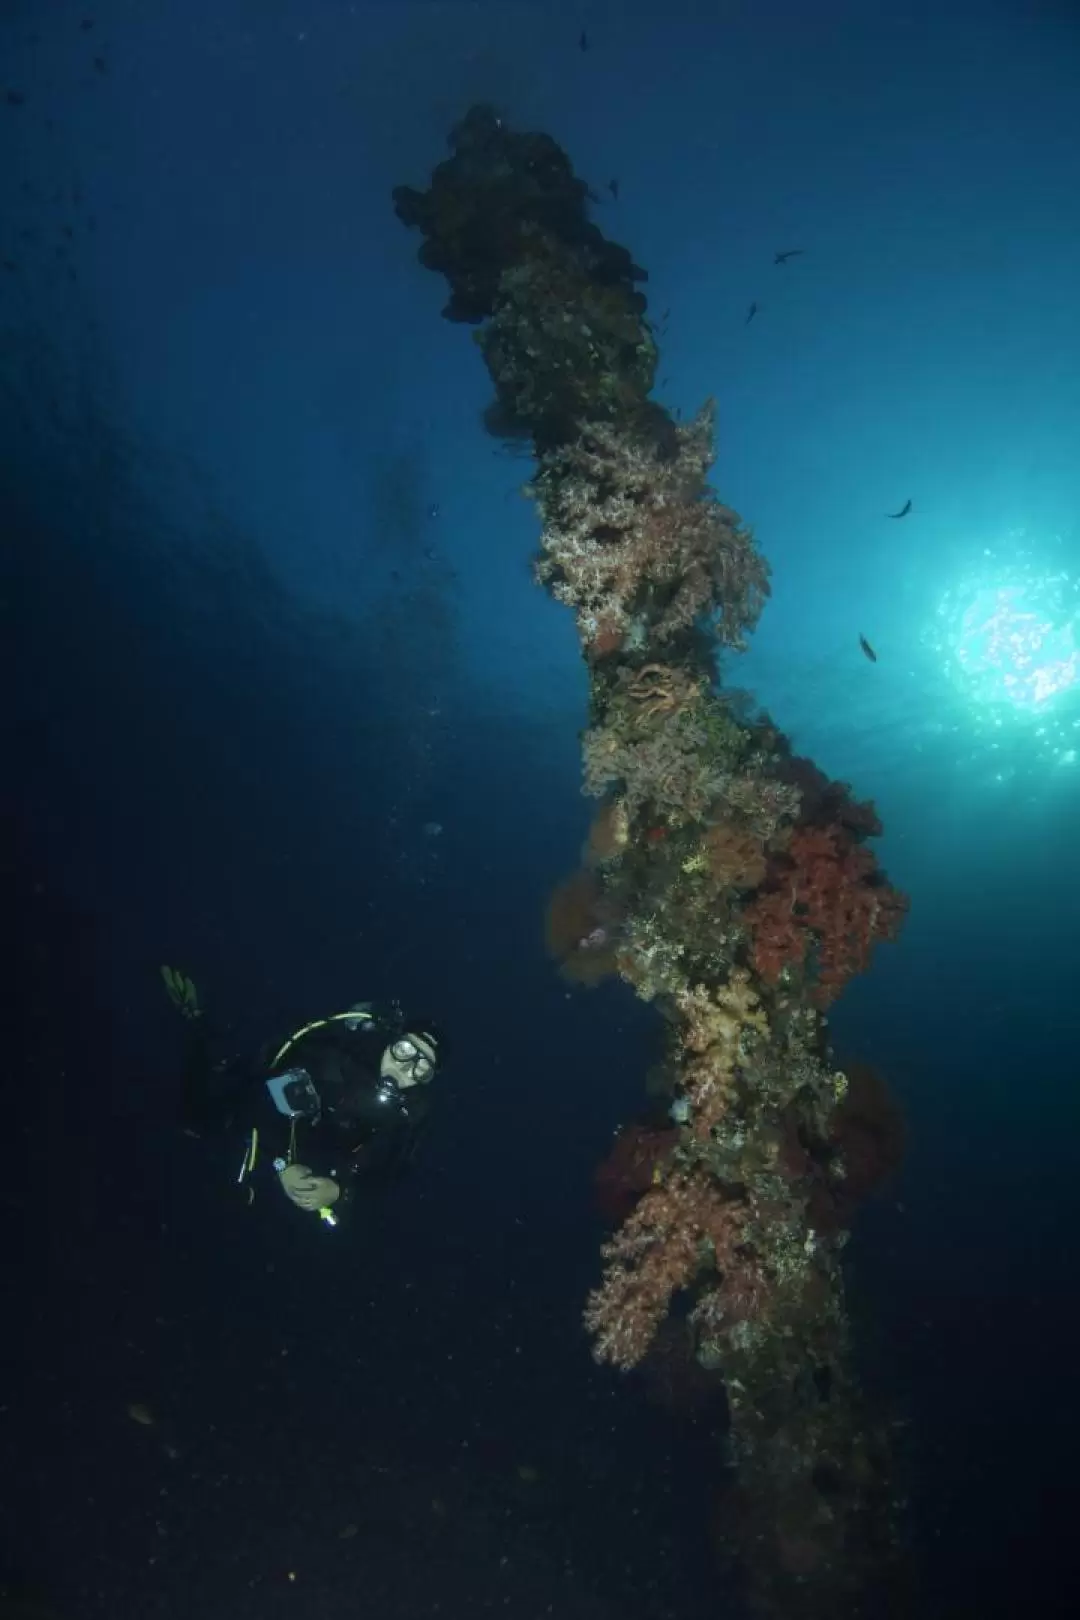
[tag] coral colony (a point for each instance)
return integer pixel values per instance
(725, 879)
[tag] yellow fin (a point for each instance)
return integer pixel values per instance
(182, 992)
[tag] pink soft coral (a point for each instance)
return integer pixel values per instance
(678, 1227)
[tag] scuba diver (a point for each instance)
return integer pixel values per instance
(340, 1103)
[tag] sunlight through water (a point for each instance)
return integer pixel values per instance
(1007, 637)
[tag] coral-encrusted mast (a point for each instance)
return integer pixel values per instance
(726, 880)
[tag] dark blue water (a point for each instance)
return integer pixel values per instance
(288, 712)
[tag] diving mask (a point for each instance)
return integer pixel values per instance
(417, 1065)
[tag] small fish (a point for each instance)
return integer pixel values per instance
(613, 187)
(14, 98)
(100, 65)
(139, 1412)
(583, 41)
(867, 649)
(751, 312)
(786, 254)
(903, 512)
(433, 509)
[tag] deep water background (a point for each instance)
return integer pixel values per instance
(270, 623)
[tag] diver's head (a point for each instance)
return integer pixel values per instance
(411, 1058)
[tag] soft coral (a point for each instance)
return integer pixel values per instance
(825, 906)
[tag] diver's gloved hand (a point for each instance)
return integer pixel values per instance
(306, 1190)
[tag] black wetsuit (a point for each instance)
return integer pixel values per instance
(366, 1129)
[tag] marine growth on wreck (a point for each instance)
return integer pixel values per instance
(725, 879)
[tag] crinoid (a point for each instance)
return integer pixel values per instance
(658, 690)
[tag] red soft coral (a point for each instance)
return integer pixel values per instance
(778, 937)
(825, 909)
(630, 1168)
